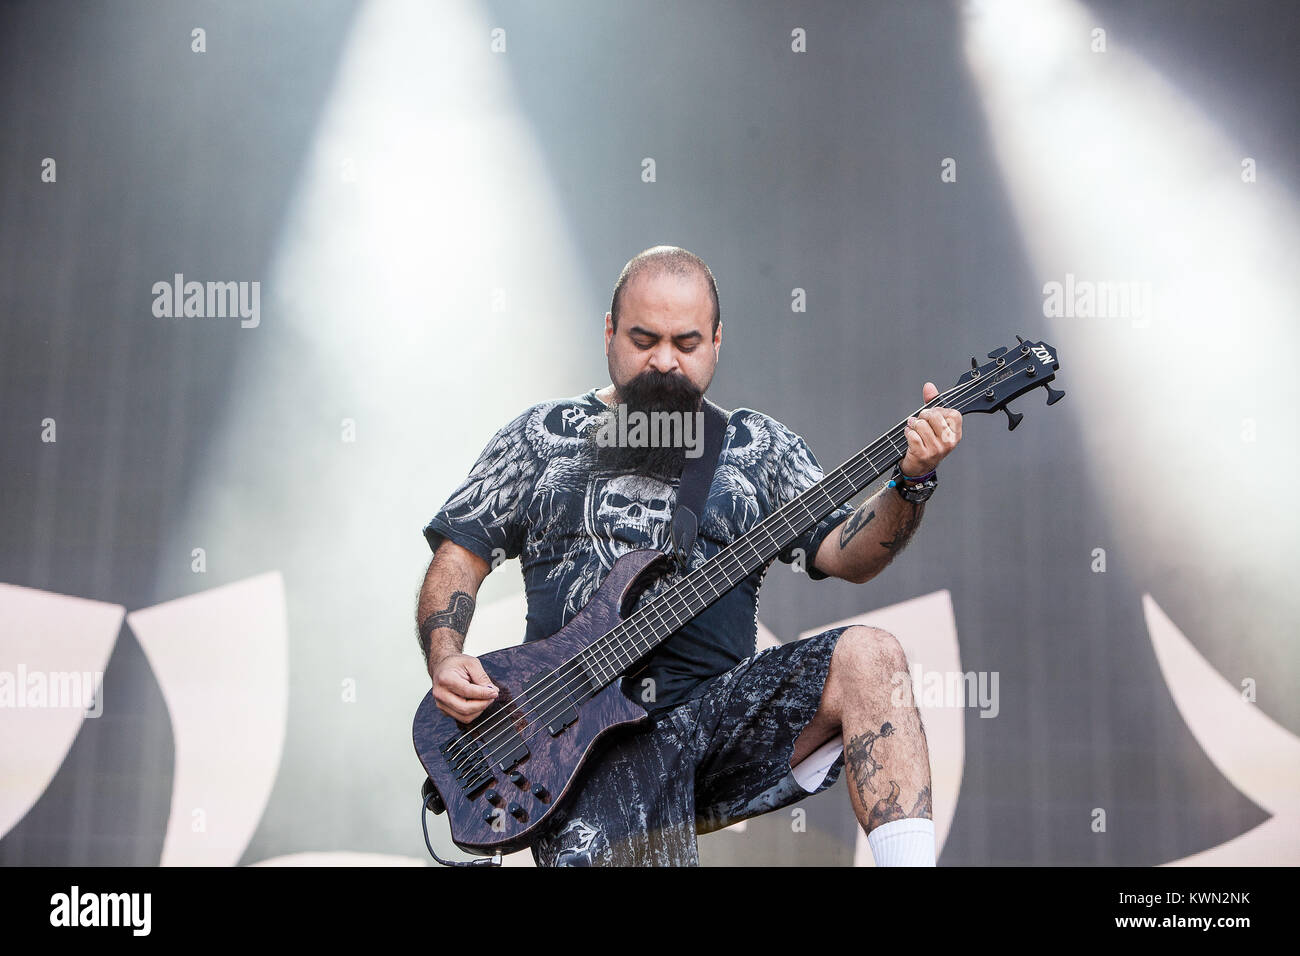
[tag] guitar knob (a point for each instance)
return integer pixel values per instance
(492, 796)
(517, 779)
(489, 816)
(540, 792)
(516, 811)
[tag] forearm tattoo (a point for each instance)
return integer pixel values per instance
(905, 533)
(855, 523)
(455, 616)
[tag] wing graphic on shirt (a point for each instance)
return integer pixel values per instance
(547, 436)
(748, 440)
(763, 466)
(793, 467)
(498, 479)
(761, 446)
(729, 522)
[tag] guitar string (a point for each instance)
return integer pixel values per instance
(488, 737)
(486, 744)
(565, 685)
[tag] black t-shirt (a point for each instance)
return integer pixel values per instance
(534, 494)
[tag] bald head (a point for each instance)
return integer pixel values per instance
(666, 260)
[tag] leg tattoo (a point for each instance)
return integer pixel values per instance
(858, 757)
(889, 809)
(863, 765)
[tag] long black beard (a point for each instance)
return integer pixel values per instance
(649, 392)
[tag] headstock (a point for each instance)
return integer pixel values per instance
(1012, 372)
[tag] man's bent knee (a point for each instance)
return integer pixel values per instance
(870, 655)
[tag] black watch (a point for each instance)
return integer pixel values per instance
(916, 490)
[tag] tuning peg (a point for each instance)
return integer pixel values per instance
(974, 362)
(1013, 418)
(1053, 396)
(998, 351)
(1020, 338)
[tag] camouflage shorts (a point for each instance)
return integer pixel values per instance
(708, 763)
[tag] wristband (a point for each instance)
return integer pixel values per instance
(915, 490)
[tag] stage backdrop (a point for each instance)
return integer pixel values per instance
(412, 215)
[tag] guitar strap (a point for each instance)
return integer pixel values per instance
(693, 489)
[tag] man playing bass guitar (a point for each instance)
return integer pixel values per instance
(731, 733)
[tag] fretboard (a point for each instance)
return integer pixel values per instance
(651, 625)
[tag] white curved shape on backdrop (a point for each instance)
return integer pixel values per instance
(49, 634)
(221, 658)
(1257, 755)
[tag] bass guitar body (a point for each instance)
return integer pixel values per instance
(500, 776)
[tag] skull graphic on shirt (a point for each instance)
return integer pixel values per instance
(626, 512)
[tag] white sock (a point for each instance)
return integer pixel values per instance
(906, 842)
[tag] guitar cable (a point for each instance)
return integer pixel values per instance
(424, 825)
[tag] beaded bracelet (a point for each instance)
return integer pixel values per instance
(918, 478)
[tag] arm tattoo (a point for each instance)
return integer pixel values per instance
(455, 616)
(855, 523)
(905, 532)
